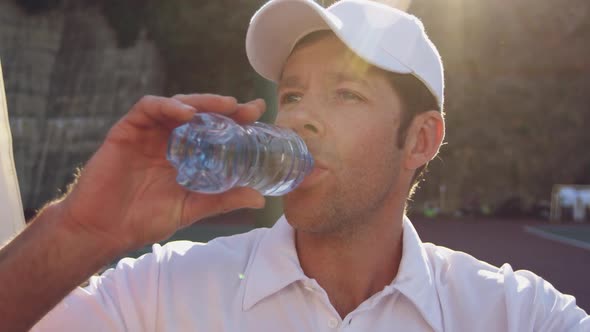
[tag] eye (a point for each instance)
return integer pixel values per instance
(347, 95)
(290, 98)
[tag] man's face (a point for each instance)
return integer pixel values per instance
(348, 114)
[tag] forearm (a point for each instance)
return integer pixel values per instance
(42, 265)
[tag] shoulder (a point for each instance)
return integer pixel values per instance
(215, 256)
(521, 297)
(180, 272)
(464, 280)
(180, 263)
(461, 271)
(158, 287)
(451, 267)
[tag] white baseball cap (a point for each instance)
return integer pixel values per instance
(383, 36)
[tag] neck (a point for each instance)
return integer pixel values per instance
(354, 263)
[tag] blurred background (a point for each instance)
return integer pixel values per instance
(517, 107)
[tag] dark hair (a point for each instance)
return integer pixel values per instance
(414, 96)
(415, 99)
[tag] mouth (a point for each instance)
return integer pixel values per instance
(316, 174)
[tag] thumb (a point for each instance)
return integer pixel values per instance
(198, 206)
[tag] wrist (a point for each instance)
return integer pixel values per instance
(43, 264)
(90, 243)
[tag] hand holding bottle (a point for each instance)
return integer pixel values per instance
(127, 194)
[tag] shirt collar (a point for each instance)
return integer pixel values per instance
(415, 278)
(275, 265)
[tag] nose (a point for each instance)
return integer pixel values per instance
(304, 123)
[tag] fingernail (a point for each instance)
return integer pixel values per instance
(189, 108)
(231, 99)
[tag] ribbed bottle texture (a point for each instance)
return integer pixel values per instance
(213, 154)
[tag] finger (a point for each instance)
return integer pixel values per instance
(250, 111)
(198, 206)
(241, 113)
(210, 103)
(151, 111)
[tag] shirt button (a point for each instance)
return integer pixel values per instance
(332, 323)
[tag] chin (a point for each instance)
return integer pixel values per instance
(304, 202)
(307, 213)
(302, 209)
(307, 223)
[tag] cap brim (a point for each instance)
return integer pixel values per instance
(280, 24)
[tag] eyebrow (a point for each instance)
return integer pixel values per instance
(289, 82)
(337, 77)
(346, 77)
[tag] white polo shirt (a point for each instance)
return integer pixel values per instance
(254, 282)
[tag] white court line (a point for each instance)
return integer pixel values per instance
(557, 238)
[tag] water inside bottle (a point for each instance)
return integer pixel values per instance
(213, 154)
(282, 165)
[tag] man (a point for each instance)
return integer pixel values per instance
(362, 84)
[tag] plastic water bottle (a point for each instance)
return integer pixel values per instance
(212, 154)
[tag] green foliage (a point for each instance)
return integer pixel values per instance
(202, 43)
(516, 106)
(516, 82)
(516, 98)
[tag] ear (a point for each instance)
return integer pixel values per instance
(424, 138)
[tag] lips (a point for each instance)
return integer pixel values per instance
(319, 164)
(320, 168)
(317, 173)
